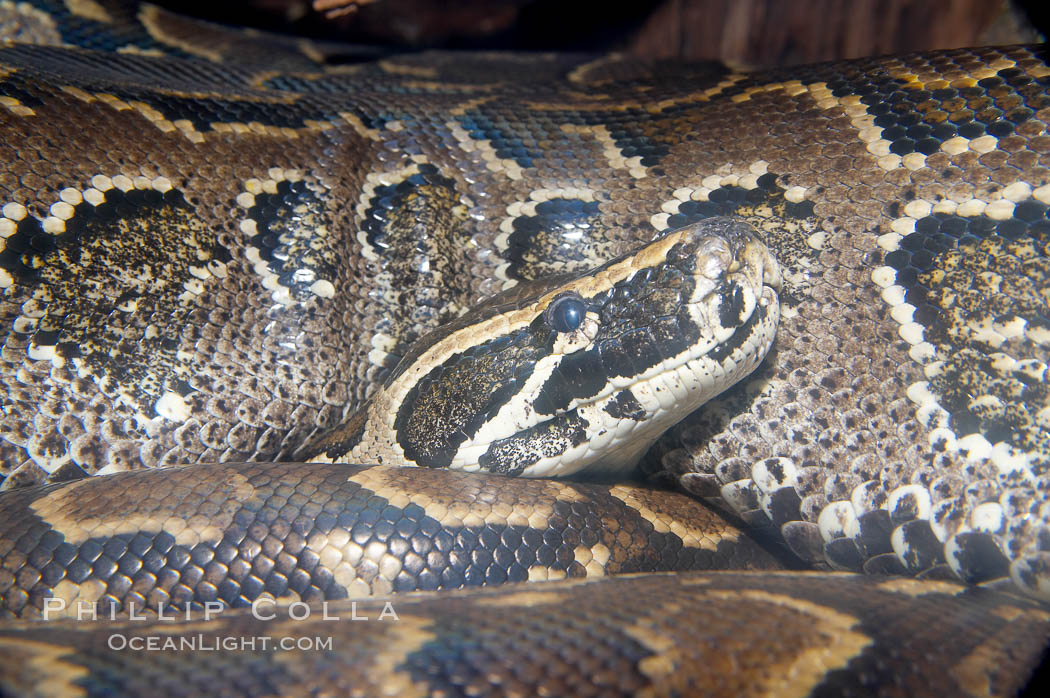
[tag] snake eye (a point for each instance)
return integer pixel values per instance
(566, 313)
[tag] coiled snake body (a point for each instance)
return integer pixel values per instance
(223, 249)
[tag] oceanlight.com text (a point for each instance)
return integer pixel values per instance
(215, 643)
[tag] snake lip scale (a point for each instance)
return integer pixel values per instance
(227, 259)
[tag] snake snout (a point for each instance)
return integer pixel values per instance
(734, 271)
(714, 256)
(726, 245)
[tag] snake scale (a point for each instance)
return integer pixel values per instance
(221, 247)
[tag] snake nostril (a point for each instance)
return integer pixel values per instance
(714, 257)
(713, 267)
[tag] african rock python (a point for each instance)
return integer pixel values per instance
(215, 248)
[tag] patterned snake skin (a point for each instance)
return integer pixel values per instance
(217, 247)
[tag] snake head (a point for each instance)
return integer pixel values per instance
(588, 371)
